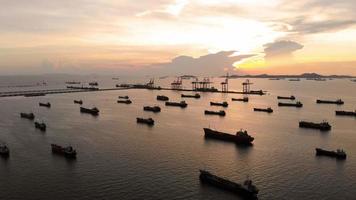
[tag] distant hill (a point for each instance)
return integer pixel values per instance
(305, 75)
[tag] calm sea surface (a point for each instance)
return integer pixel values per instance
(119, 159)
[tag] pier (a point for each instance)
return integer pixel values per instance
(127, 87)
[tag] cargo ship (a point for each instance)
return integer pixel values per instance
(245, 99)
(34, 94)
(162, 98)
(123, 97)
(148, 121)
(93, 111)
(210, 112)
(30, 116)
(284, 97)
(72, 82)
(196, 96)
(246, 189)
(298, 104)
(345, 113)
(241, 137)
(78, 102)
(154, 109)
(48, 105)
(323, 126)
(68, 151)
(338, 101)
(223, 104)
(93, 84)
(339, 153)
(181, 104)
(4, 151)
(268, 110)
(126, 101)
(40, 125)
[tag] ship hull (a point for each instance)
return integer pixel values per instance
(209, 133)
(322, 152)
(227, 185)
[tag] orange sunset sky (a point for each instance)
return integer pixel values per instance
(178, 36)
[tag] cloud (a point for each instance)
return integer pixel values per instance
(210, 64)
(280, 50)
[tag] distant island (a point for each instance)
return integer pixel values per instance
(305, 75)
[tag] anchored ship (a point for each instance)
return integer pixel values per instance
(323, 126)
(284, 97)
(245, 99)
(162, 98)
(148, 121)
(40, 125)
(78, 102)
(48, 105)
(346, 113)
(338, 101)
(93, 111)
(269, 109)
(126, 101)
(339, 153)
(154, 109)
(30, 116)
(241, 137)
(210, 112)
(181, 104)
(223, 104)
(246, 189)
(68, 151)
(123, 97)
(4, 151)
(298, 104)
(197, 96)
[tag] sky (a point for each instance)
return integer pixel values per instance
(172, 37)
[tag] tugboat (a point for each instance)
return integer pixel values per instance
(269, 110)
(123, 97)
(283, 97)
(78, 102)
(162, 98)
(154, 109)
(93, 111)
(246, 190)
(4, 151)
(40, 125)
(245, 99)
(126, 101)
(220, 113)
(30, 116)
(223, 104)
(298, 104)
(181, 104)
(197, 96)
(323, 126)
(241, 137)
(48, 105)
(346, 113)
(68, 151)
(339, 153)
(148, 121)
(338, 101)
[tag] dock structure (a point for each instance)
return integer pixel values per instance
(225, 84)
(151, 83)
(246, 86)
(201, 85)
(177, 84)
